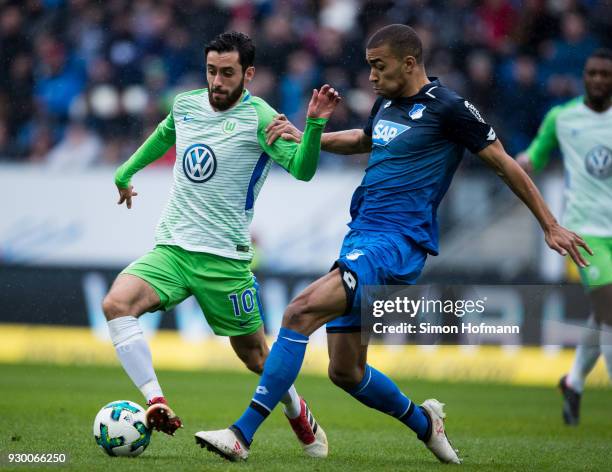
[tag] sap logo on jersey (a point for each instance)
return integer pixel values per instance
(199, 163)
(386, 131)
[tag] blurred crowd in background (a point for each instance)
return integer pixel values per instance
(83, 82)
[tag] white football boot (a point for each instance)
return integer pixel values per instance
(438, 442)
(223, 442)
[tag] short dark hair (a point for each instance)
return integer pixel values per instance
(602, 53)
(234, 41)
(402, 39)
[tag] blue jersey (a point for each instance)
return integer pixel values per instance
(417, 145)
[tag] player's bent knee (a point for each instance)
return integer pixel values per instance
(114, 308)
(302, 315)
(255, 364)
(292, 319)
(295, 316)
(345, 378)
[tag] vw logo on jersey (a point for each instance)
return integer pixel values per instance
(598, 162)
(199, 163)
(386, 131)
(417, 111)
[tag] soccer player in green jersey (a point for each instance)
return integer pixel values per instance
(202, 240)
(582, 129)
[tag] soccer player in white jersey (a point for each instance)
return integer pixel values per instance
(582, 129)
(202, 241)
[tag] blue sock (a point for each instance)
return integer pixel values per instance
(378, 391)
(280, 371)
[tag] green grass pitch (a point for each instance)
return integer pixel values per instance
(496, 427)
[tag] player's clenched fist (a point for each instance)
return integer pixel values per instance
(125, 195)
(323, 102)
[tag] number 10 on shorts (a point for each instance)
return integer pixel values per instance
(243, 303)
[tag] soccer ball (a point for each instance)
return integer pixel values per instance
(120, 429)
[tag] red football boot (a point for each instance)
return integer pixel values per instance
(309, 433)
(161, 417)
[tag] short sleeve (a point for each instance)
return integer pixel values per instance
(463, 124)
(367, 129)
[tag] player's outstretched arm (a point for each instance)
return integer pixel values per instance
(152, 149)
(351, 141)
(557, 237)
(299, 160)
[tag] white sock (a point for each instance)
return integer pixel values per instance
(606, 346)
(134, 355)
(587, 353)
(291, 403)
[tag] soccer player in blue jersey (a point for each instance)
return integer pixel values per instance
(417, 133)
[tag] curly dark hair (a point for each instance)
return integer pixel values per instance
(234, 41)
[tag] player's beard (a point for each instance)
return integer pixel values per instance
(228, 99)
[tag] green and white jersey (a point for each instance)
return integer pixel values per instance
(585, 139)
(222, 161)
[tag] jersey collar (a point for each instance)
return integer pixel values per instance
(422, 93)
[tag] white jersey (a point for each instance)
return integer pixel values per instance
(585, 139)
(222, 160)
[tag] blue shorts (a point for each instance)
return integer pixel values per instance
(373, 258)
